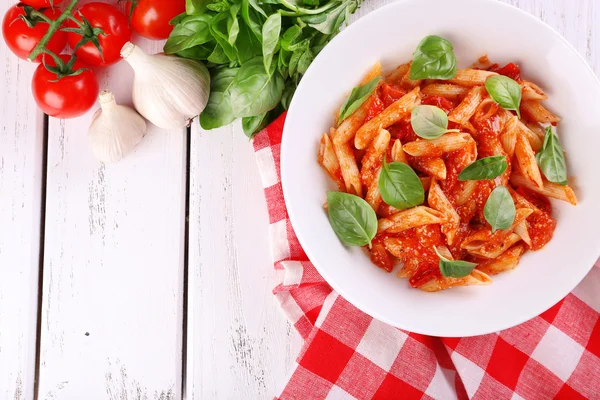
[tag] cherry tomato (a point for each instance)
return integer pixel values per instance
(21, 39)
(41, 3)
(151, 17)
(116, 30)
(70, 96)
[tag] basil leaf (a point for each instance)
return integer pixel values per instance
(219, 6)
(254, 92)
(197, 52)
(329, 21)
(433, 59)
(289, 40)
(454, 268)
(429, 122)
(194, 6)
(485, 168)
(247, 44)
(499, 210)
(305, 60)
(252, 19)
(218, 56)
(270, 33)
(219, 30)
(191, 31)
(218, 110)
(357, 97)
(551, 159)
(352, 219)
(233, 25)
(252, 125)
(505, 92)
(399, 185)
(288, 93)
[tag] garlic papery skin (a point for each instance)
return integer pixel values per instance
(168, 91)
(115, 130)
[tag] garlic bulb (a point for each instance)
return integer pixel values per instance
(168, 91)
(115, 129)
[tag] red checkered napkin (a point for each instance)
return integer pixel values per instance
(349, 355)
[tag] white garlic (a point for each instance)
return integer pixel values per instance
(168, 91)
(115, 130)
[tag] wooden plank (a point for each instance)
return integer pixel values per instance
(113, 267)
(239, 344)
(21, 155)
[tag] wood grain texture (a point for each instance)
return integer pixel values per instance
(21, 155)
(113, 267)
(239, 344)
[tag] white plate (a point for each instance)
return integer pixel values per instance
(475, 28)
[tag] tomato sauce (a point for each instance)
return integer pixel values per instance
(440, 102)
(536, 199)
(375, 108)
(403, 130)
(379, 255)
(389, 93)
(541, 229)
(511, 70)
(484, 188)
(427, 271)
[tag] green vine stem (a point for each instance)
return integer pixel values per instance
(54, 26)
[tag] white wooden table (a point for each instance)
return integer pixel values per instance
(151, 278)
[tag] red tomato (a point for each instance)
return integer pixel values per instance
(511, 70)
(41, 3)
(116, 30)
(69, 97)
(390, 93)
(151, 17)
(21, 39)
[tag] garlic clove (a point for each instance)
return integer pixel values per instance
(115, 129)
(168, 91)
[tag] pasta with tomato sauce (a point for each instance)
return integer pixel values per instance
(478, 220)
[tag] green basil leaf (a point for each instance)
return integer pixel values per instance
(218, 56)
(352, 219)
(247, 44)
(219, 30)
(218, 6)
(233, 25)
(194, 6)
(305, 60)
(197, 52)
(294, 62)
(357, 97)
(505, 92)
(429, 122)
(433, 59)
(330, 20)
(454, 268)
(551, 159)
(252, 19)
(253, 125)
(270, 33)
(288, 93)
(485, 168)
(254, 92)
(499, 210)
(218, 110)
(192, 31)
(399, 185)
(290, 38)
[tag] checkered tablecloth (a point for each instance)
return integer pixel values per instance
(349, 355)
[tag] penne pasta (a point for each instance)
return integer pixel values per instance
(392, 114)
(373, 73)
(347, 129)
(466, 191)
(431, 166)
(398, 73)
(438, 201)
(476, 277)
(345, 155)
(371, 162)
(537, 129)
(505, 262)
(465, 110)
(436, 147)
(411, 218)
(443, 250)
(526, 160)
(493, 249)
(426, 182)
(373, 195)
(523, 232)
(508, 137)
(409, 268)
(329, 161)
(537, 112)
(471, 77)
(398, 154)
(446, 90)
(550, 189)
(407, 83)
(531, 91)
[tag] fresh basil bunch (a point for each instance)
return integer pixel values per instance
(256, 51)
